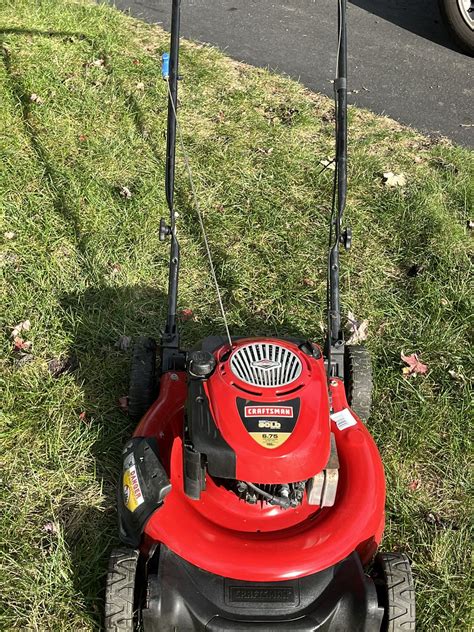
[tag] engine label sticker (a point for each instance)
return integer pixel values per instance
(269, 424)
(132, 492)
(344, 419)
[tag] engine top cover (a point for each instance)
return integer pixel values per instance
(265, 364)
(269, 400)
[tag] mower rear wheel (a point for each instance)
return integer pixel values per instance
(120, 591)
(396, 591)
(358, 380)
(143, 383)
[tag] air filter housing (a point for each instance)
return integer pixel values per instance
(265, 364)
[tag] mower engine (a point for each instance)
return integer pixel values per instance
(260, 412)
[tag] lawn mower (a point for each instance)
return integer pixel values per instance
(252, 495)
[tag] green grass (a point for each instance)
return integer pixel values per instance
(85, 266)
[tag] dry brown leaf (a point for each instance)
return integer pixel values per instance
(414, 485)
(393, 180)
(123, 403)
(50, 527)
(125, 193)
(358, 330)
(187, 314)
(328, 164)
(414, 367)
(21, 345)
(25, 325)
(34, 98)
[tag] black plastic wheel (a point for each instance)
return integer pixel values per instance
(120, 591)
(358, 380)
(458, 16)
(396, 591)
(143, 383)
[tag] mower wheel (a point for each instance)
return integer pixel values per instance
(120, 591)
(358, 380)
(143, 382)
(396, 591)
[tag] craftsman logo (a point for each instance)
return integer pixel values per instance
(262, 594)
(268, 411)
(268, 423)
(266, 365)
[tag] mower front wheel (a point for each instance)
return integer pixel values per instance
(358, 380)
(143, 382)
(120, 613)
(396, 591)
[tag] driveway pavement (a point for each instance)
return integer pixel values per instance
(401, 62)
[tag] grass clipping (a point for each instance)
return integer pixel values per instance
(83, 113)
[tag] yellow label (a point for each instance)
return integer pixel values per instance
(270, 440)
(132, 493)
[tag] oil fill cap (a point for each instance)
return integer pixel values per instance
(201, 364)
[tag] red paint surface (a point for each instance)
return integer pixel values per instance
(226, 536)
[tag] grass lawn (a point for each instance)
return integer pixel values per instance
(82, 115)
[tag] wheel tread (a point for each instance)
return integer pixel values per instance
(120, 591)
(399, 587)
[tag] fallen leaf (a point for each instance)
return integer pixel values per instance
(414, 485)
(9, 235)
(328, 164)
(459, 377)
(125, 192)
(136, 62)
(308, 282)
(96, 63)
(392, 180)
(25, 325)
(50, 527)
(123, 343)
(59, 366)
(34, 98)
(434, 519)
(414, 365)
(186, 314)
(123, 403)
(21, 345)
(358, 330)
(115, 268)
(140, 85)
(267, 152)
(82, 138)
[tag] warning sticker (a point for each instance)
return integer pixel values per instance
(132, 492)
(344, 419)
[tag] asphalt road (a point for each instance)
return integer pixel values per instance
(401, 61)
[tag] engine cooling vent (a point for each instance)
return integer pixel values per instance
(265, 364)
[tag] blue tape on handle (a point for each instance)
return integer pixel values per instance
(165, 65)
